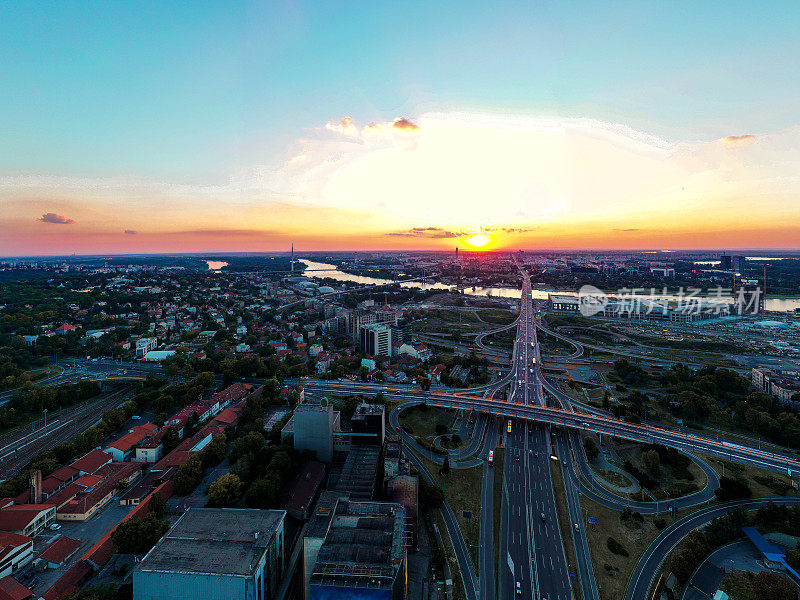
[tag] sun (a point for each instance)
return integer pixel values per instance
(478, 241)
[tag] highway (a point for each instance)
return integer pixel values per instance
(532, 559)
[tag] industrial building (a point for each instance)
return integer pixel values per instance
(359, 473)
(215, 554)
(369, 424)
(355, 550)
(313, 426)
(644, 307)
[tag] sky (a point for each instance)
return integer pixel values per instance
(249, 126)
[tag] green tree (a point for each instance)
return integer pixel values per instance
(591, 449)
(188, 476)
(225, 491)
(768, 586)
(158, 505)
(138, 536)
(652, 462)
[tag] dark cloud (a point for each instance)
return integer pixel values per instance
(427, 232)
(404, 124)
(131, 231)
(56, 219)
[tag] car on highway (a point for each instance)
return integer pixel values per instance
(55, 527)
(577, 527)
(544, 518)
(519, 588)
(491, 458)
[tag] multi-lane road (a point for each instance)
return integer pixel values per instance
(533, 561)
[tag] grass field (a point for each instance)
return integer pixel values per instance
(565, 524)
(422, 422)
(462, 488)
(762, 482)
(499, 457)
(500, 317)
(611, 570)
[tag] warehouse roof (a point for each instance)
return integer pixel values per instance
(215, 540)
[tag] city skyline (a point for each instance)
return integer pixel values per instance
(247, 127)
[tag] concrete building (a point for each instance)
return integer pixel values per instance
(783, 386)
(369, 424)
(375, 339)
(369, 316)
(356, 550)
(215, 554)
(145, 345)
(313, 428)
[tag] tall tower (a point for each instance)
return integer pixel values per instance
(291, 260)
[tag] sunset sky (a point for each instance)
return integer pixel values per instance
(247, 126)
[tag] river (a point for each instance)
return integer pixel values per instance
(320, 270)
(216, 265)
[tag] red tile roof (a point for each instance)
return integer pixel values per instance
(60, 550)
(133, 437)
(11, 589)
(64, 473)
(61, 497)
(88, 480)
(19, 516)
(69, 581)
(9, 541)
(91, 461)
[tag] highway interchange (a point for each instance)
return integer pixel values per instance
(532, 552)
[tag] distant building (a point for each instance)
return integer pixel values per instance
(784, 386)
(215, 554)
(662, 271)
(157, 355)
(145, 345)
(375, 340)
(564, 303)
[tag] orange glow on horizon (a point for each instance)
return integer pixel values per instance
(479, 241)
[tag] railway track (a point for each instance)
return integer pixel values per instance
(19, 447)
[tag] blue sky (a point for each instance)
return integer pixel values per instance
(203, 94)
(191, 88)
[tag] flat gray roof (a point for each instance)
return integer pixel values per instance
(224, 541)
